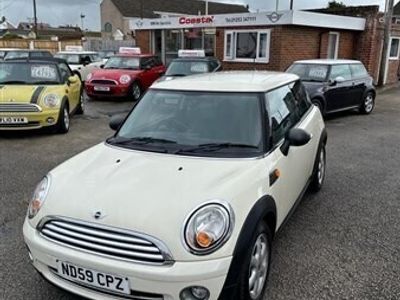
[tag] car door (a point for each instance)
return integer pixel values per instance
(289, 107)
(360, 78)
(73, 89)
(339, 93)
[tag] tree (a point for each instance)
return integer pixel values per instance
(335, 5)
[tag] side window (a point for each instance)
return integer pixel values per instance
(147, 62)
(157, 61)
(281, 104)
(303, 102)
(340, 71)
(358, 71)
(65, 72)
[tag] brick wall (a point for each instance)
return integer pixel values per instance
(110, 14)
(142, 38)
(291, 43)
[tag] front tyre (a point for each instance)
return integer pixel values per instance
(368, 104)
(318, 178)
(136, 91)
(255, 267)
(81, 105)
(63, 123)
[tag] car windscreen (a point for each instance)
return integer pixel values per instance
(16, 54)
(187, 67)
(71, 59)
(106, 54)
(28, 73)
(310, 72)
(195, 123)
(120, 62)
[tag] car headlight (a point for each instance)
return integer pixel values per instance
(124, 79)
(208, 228)
(51, 100)
(38, 198)
(89, 76)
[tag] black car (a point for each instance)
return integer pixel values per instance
(336, 85)
(190, 65)
(7, 54)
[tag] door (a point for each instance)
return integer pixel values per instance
(74, 89)
(151, 72)
(289, 107)
(338, 95)
(360, 78)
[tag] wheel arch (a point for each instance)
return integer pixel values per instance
(264, 210)
(321, 99)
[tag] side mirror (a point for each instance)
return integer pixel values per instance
(147, 68)
(295, 138)
(337, 80)
(73, 79)
(101, 66)
(116, 121)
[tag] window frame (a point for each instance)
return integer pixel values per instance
(231, 56)
(270, 146)
(336, 65)
(390, 48)
(336, 54)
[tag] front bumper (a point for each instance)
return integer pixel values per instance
(36, 120)
(118, 91)
(144, 280)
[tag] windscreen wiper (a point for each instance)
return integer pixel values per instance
(211, 147)
(141, 141)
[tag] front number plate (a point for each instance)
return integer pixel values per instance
(93, 278)
(102, 88)
(13, 120)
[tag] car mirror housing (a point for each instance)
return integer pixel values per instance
(296, 137)
(116, 121)
(72, 79)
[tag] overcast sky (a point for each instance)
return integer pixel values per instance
(61, 12)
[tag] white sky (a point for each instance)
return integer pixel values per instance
(61, 12)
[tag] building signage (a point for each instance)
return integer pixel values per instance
(249, 19)
(300, 18)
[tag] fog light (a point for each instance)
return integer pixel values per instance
(195, 293)
(50, 120)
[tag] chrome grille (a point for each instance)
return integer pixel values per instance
(104, 240)
(19, 107)
(103, 81)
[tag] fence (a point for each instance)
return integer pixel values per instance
(99, 44)
(52, 46)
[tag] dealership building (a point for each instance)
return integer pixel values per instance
(273, 40)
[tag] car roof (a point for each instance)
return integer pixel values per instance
(134, 55)
(77, 52)
(206, 58)
(26, 50)
(233, 81)
(328, 61)
(37, 60)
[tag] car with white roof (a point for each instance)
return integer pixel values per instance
(337, 84)
(191, 62)
(80, 61)
(184, 200)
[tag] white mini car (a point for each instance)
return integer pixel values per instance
(183, 202)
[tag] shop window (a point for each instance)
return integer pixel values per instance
(247, 46)
(333, 45)
(394, 48)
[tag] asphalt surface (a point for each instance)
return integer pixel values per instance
(342, 243)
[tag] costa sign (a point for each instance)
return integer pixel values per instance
(196, 20)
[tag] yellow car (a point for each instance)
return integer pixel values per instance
(38, 93)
